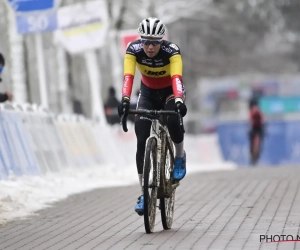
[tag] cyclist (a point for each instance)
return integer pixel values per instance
(160, 64)
(256, 122)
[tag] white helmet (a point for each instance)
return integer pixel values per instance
(152, 27)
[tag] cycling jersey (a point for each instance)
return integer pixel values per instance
(256, 117)
(161, 71)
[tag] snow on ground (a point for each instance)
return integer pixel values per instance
(22, 196)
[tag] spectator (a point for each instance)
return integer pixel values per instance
(111, 107)
(77, 107)
(8, 95)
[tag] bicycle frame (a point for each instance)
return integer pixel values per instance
(158, 155)
(155, 132)
(158, 131)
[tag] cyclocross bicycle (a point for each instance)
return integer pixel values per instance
(158, 183)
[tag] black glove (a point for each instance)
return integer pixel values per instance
(124, 106)
(181, 107)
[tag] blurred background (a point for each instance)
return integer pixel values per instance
(232, 51)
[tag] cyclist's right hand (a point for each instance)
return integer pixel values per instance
(124, 106)
(180, 106)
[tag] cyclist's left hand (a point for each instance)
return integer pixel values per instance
(124, 106)
(180, 105)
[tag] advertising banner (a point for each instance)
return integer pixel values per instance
(35, 22)
(280, 104)
(281, 144)
(32, 5)
(82, 26)
(127, 36)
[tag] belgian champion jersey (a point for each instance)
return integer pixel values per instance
(160, 71)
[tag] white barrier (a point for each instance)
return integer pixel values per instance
(79, 140)
(33, 141)
(16, 158)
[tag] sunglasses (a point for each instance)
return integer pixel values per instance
(149, 42)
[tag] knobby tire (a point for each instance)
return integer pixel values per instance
(150, 185)
(167, 203)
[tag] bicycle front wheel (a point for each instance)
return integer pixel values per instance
(167, 203)
(150, 185)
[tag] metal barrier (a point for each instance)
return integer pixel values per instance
(80, 141)
(18, 158)
(34, 141)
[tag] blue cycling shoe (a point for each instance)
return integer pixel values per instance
(179, 168)
(139, 207)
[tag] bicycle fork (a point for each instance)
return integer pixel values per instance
(154, 132)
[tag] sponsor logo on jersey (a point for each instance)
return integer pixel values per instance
(125, 84)
(147, 61)
(167, 49)
(136, 47)
(174, 46)
(155, 73)
(179, 85)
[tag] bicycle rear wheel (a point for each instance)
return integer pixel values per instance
(167, 203)
(150, 185)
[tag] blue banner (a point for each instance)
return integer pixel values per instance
(37, 22)
(31, 5)
(281, 144)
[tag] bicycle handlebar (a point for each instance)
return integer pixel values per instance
(150, 112)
